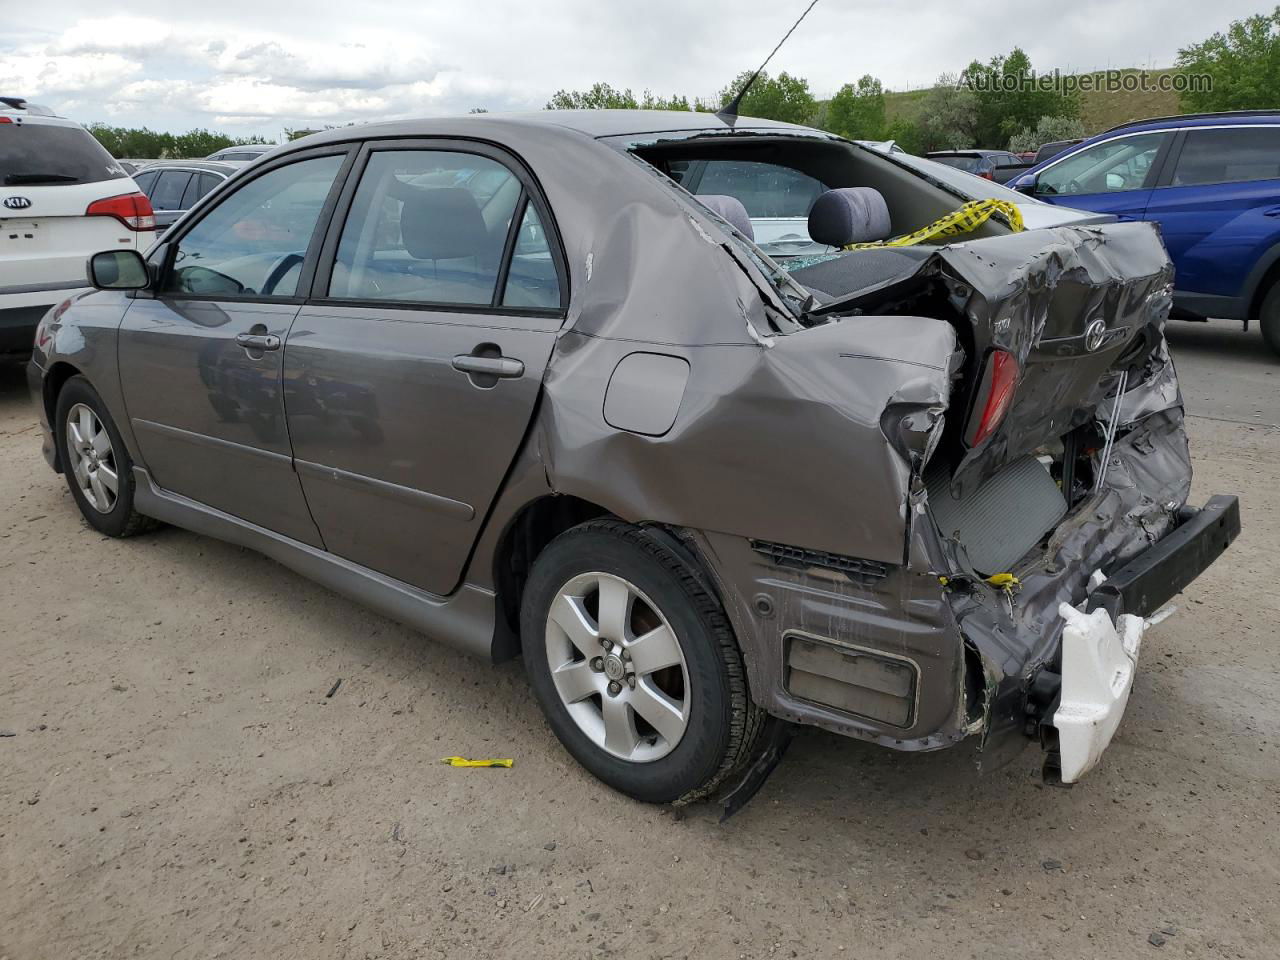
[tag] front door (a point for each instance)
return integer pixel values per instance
(1114, 176)
(411, 376)
(201, 362)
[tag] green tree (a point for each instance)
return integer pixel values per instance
(1011, 98)
(857, 112)
(784, 97)
(1047, 130)
(905, 134)
(948, 117)
(1242, 65)
(146, 144)
(602, 96)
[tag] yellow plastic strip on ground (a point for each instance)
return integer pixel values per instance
(464, 762)
(965, 220)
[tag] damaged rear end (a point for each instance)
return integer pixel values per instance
(1048, 496)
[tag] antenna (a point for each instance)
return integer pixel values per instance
(730, 110)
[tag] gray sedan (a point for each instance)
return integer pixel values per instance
(509, 380)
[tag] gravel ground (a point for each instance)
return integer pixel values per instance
(177, 784)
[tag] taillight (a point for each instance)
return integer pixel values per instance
(986, 175)
(131, 209)
(995, 395)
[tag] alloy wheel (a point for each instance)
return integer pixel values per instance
(618, 667)
(92, 459)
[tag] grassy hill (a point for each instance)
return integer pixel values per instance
(1098, 109)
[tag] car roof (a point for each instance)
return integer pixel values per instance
(212, 166)
(1229, 117)
(598, 124)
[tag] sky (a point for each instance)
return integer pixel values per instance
(257, 67)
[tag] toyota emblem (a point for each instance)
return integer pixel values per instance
(1095, 335)
(17, 203)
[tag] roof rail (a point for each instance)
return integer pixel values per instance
(1196, 116)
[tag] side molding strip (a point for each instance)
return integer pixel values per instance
(464, 620)
(414, 498)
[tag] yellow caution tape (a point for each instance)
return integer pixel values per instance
(464, 762)
(1004, 581)
(965, 220)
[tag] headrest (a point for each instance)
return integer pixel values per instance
(442, 223)
(730, 209)
(849, 215)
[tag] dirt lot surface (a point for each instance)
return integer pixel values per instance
(177, 784)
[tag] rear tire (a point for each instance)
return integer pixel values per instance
(1269, 318)
(96, 464)
(691, 684)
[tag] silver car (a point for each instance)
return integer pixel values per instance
(506, 380)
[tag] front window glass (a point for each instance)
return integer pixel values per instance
(252, 243)
(1110, 167)
(427, 226)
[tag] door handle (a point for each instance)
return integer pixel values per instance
(256, 341)
(502, 367)
(1273, 212)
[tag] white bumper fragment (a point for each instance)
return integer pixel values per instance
(1098, 661)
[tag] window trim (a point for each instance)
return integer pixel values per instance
(1166, 175)
(161, 256)
(531, 193)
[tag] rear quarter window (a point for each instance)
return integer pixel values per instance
(50, 154)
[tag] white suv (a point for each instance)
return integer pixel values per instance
(62, 198)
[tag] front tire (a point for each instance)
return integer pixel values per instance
(634, 664)
(1269, 318)
(95, 462)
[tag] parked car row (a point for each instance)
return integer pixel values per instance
(63, 197)
(998, 165)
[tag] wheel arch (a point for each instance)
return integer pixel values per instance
(526, 535)
(55, 378)
(1264, 274)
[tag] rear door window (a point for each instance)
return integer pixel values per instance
(253, 240)
(1228, 155)
(427, 226)
(169, 188)
(37, 153)
(146, 180)
(201, 183)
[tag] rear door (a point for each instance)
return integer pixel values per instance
(1115, 176)
(200, 362)
(1219, 208)
(412, 374)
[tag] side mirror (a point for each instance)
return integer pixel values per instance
(1024, 184)
(118, 270)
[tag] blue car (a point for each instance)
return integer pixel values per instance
(1212, 182)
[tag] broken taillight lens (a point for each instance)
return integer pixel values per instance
(131, 209)
(995, 395)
